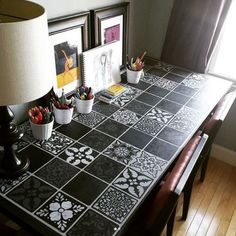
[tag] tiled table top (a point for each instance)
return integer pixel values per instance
(92, 174)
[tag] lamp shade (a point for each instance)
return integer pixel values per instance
(27, 67)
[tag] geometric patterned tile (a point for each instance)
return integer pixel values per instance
(105, 168)
(92, 223)
(56, 143)
(167, 84)
(61, 211)
(132, 182)
(150, 78)
(148, 164)
(126, 117)
(122, 152)
(79, 155)
(8, 184)
(159, 115)
(57, 172)
(115, 204)
(91, 119)
(149, 126)
(31, 193)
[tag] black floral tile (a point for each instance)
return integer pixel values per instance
(132, 182)
(57, 172)
(115, 204)
(149, 164)
(161, 149)
(156, 71)
(105, 109)
(126, 117)
(92, 223)
(159, 115)
(176, 97)
(122, 152)
(37, 157)
(148, 99)
(184, 90)
(163, 66)
(161, 92)
(97, 140)
(91, 119)
(73, 130)
(139, 142)
(85, 187)
(8, 184)
(105, 168)
(149, 126)
(167, 105)
(79, 155)
(174, 77)
(138, 107)
(150, 78)
(112, 128)
(166, 84)
(172, 136)
(181, 71)
(25, 128)
(56, 143)
(31, 193)
(61, 211)
(140, 85)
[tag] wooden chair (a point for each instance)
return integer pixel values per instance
(160, 207)
(212, 126)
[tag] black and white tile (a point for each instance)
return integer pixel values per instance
(61, 211)
(189, 114)
(159, 115)
(25, 128)
(167, 84)
(126, 117)
(150, 78)
(115, 204)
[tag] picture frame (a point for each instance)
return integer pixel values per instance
(111, 23)
(69, 36)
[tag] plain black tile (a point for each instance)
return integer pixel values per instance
(105, 168)
(140, 85)
(136, 138)
(148, 99)
(112, 128)
(169, 106)
(105, 109)
(158, 91)
(156, 71)
(173, 136)
(176, 97)
(161, 149)
(181, 71)
(37, 157)
(138, 107)
(85, 187)
(184, 90)
(198, 105)
(74, 130)
(174, 77)
(97, 140)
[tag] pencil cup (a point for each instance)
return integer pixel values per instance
(84, 106)
(63, 116)
(133, 76)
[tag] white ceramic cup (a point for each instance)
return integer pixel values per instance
(63, 116)
(133, 76)
(84, 106)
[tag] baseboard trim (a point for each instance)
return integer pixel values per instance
(223, 154)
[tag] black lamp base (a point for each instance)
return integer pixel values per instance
(11, 165)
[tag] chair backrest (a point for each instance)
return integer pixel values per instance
(166, 199)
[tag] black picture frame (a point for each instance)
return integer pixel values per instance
(71, 32)
(100, 15)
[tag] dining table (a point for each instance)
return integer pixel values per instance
(93, 174)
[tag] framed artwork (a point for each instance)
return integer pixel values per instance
(69, 37)
(111, 24)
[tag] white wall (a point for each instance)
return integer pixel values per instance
(57, 8)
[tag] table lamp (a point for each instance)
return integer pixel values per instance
(26, 71)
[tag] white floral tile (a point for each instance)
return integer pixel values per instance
(189, 114)
(149, 164)
(126, 117)
(192, 83)
(133, 182)
(91, 119)
(150, 78)
(122, 152)
(159, 115)
(167, 84)
(115, 204)
(61, 211)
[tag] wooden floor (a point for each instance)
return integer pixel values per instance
(213, 204)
